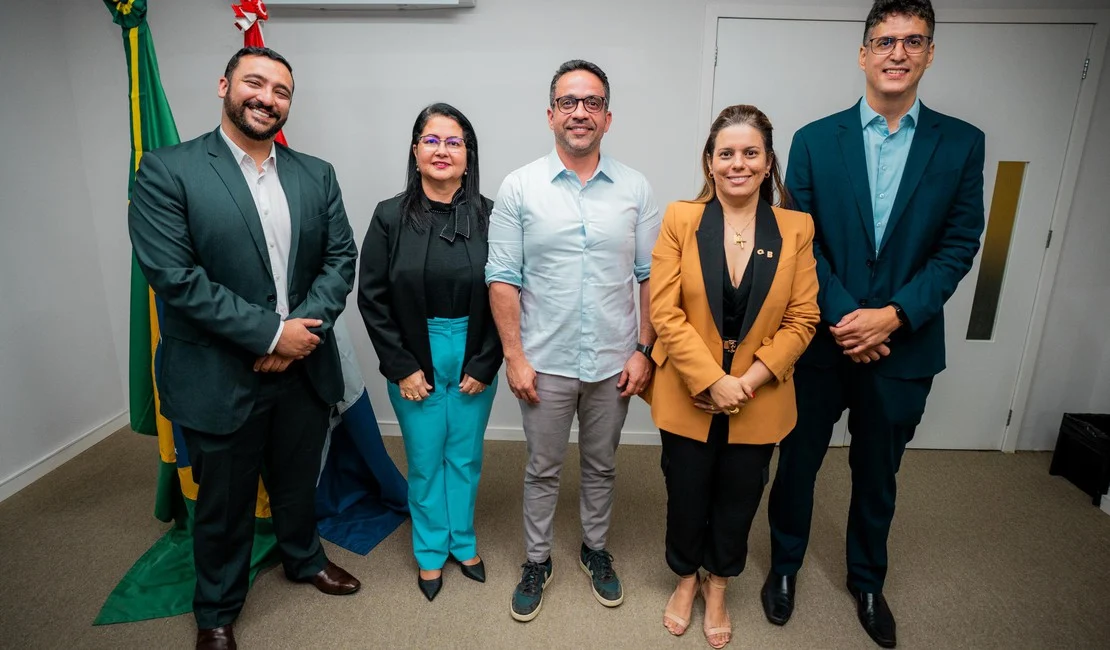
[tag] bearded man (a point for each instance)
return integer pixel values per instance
(247, 245)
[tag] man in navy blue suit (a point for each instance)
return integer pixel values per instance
(896, 194)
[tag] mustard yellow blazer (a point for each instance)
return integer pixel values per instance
(687, 270)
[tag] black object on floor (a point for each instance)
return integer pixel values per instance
(1083, 453)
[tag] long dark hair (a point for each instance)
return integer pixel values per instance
(414, 204)
(753, 117)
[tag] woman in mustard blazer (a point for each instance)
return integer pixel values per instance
(734, 302)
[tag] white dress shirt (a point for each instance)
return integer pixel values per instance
(273, 212)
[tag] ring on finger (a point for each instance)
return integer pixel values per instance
(734, 410)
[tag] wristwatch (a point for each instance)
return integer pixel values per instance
(645, 349)
(900, 314)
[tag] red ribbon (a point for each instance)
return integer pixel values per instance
(248, 13)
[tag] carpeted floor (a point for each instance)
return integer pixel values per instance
(988, 551)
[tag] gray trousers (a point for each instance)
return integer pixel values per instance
(601, 412)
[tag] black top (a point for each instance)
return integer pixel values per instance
(736, 300)
(447, 270)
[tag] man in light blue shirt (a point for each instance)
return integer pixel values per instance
(570, 242)
(896, 194)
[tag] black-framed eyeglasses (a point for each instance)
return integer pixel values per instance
(568, 104)
(453, 144)
(913, 44)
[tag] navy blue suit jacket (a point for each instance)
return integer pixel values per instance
(930, 240)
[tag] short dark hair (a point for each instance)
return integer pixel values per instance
(413, 201)
(578, 64)
(254, 51)
(883, 9)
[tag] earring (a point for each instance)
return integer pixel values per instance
(766, 174)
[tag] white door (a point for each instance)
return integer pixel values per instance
(1020, 84)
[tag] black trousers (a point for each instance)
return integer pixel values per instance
(282, 440)
(883, 413)
(713, 492)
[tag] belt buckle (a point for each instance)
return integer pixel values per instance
(730, 345)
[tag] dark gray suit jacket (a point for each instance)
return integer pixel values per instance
(198, 239)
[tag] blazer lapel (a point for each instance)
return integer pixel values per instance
(851, 146)
(477, 248)
(228, 170)
(925, 138)
(413, 251)
(291, 184)
(710, 236)
(768, 245)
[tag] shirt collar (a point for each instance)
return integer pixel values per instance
(240, 155)
(556, 168)
(868, 115)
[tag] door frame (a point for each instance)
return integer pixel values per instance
(1081, 122)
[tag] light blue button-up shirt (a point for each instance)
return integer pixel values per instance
(886, 154)
(576, 252)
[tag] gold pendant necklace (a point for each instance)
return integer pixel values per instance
(737, 235)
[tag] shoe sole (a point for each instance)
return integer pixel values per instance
(524, 618)
(600, 599)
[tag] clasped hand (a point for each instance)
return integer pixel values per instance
(728, 394)
(864, 333)
(296, 342)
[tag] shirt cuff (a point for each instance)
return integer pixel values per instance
(503, 275)
(273, 344)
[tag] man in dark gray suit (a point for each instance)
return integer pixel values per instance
(247, 245)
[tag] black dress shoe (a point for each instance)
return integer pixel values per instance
(875, 617)
(778, 597)
(476, 572)
(334, 581)
(218, 638)
(429, 587)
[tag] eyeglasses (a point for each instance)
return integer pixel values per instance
(568, 104)
(453, 144)
(913, 44)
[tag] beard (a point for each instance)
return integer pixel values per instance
(238, 116)
(577, 146)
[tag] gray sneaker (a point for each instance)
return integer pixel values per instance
(603, 580)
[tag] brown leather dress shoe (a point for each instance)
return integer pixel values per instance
(335, 581)
(219, 638)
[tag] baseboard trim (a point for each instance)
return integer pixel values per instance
(391, 428)
(1106, 503)
(56, 458)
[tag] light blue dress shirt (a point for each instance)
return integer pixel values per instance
(577, 253)
(886, 155)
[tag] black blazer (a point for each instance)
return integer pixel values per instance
(391, 297)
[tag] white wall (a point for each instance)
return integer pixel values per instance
(59, 380)
(362, 77)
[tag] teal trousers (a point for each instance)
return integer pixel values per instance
(443, 437)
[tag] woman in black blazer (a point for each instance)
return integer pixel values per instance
(423, 298)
